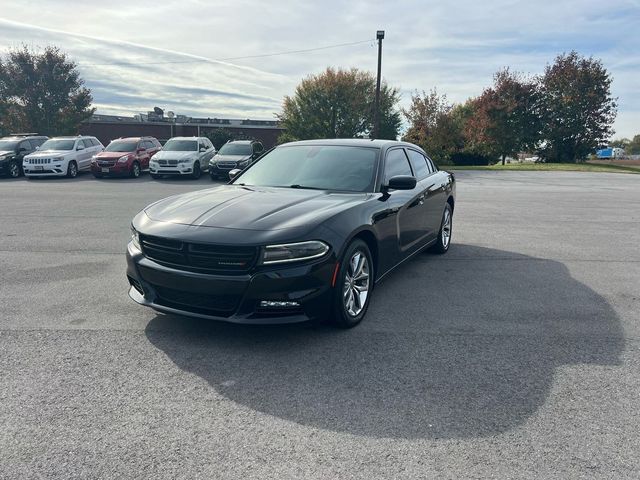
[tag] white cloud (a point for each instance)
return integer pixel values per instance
(454, 46)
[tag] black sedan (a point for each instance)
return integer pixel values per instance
(303, 233)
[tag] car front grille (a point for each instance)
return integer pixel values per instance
(38, 161)
(107, 163)
(199, 257)
(172, 163)
(204, 303)
(227, 165)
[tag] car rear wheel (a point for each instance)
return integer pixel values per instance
(352, 291)
(72, 169)
(196, 171)
(135, 170)
(446, 229)
(14, 169)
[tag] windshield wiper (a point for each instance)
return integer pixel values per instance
(296, 185)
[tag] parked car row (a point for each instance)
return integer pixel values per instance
(39, 156)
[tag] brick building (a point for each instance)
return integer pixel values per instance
(108, 127)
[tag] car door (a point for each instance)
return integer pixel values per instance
(86, 154)
(438, 186)
(142, 154)
(408, 203)
(24, 148)
(432, 202)
(207, 155)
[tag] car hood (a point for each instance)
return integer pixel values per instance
(252, 208)
(48, 153)
(163, 155)
(110, 155)
(231, 158)
(6, 152)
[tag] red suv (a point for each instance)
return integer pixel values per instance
(125, 156)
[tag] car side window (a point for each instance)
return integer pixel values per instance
(432, 166)
(87, 143)
(201, 145)
(26, 145)
(396, 163)
(419, 164)
(35, 143)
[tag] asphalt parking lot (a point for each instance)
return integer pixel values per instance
(515, 355)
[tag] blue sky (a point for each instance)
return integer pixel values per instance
(136, 55)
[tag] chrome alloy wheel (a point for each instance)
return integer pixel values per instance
(356, 284)
(446, 228)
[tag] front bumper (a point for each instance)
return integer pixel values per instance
(218, 171)
(119, 169)
(179, 169)
(53, 169)
(233, 298)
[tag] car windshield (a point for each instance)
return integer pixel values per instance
(66, 144)
(181, 146)
(121, 146)
(235, 149)
(325, 167)
(8, 145)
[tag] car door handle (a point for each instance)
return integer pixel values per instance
(421, 199)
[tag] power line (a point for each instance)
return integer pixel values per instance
(209, 60)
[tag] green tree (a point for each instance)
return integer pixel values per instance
(435, 125)
(577, 109)
(633, 148)
(42, 92)
(339, 104)
(506, 119)
(219, 136)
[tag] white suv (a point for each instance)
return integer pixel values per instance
(182, 156)
(62, 156)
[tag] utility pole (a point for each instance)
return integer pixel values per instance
(376, 112)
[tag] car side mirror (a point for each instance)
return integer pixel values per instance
(38, 147)
(79, 147)
(234, 173)
(202, 149)
(401, 182)
(140, 150)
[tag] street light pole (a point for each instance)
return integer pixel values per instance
(376, 111)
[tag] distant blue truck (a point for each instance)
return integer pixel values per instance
(610, 153)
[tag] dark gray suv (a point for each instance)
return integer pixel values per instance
(232, 155)
(14, 148)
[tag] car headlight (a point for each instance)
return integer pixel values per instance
(294, 252)
(123, 159)
(135, 238)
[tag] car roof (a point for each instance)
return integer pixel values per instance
(185, 138)
(22, 137)
(354, 142)
(243, 141)
(71, 137)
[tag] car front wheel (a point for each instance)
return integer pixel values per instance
(135, 170)
(14, 169)
(72, 169)
(196, 171)
(352, 291)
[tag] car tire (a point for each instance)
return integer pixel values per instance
(348, 308)
(446, 229)
(135, 170)
(196, 171)
(155, 176)
(14, 169)
(72, 169)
